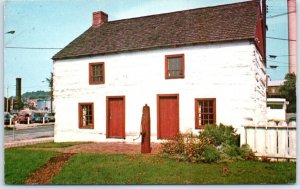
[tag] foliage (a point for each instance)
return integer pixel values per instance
(247, 153)
(288, 91)
(20, 163)
(213, 144)
(220, 134)
(210, 154)
(36, 95)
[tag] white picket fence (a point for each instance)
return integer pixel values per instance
(278, 142)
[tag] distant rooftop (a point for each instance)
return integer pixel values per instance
(275, 83)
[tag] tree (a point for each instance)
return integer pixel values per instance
(50, 82)
(288, 91)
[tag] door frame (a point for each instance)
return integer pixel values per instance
(158, 112)
(107, 114)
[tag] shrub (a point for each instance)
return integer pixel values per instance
(231, 150)
(174, 146)
(247, 153)
(220, 134)
(210, 154)
(186, 147)
(214, 143)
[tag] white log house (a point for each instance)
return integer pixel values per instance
(192, 67)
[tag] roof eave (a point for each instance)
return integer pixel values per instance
(153, 47)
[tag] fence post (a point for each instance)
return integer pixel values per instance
(14, 132)
(266, 140)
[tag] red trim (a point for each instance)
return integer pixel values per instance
(260, 36)
(182, 66)
(91, 82)
(158, 112)
(197, 126)
(80, 125)
(107, 114)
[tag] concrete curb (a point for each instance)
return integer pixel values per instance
(27, 126)
(28, 142)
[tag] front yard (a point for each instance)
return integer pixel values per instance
(86, 168)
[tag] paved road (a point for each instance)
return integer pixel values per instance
(28, 134)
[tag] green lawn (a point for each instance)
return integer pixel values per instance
(20, 163)
(54, 145)
(137, 169)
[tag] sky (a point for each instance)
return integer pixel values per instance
(42, 27)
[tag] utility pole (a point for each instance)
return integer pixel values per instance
(7, 100)
(264, 23)
(292, 25)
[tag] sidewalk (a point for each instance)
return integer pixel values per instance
(94, 147)
(27, 142)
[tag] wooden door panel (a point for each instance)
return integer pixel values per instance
(168, 116)
(116, 117)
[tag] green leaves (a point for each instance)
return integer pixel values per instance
(288, 91)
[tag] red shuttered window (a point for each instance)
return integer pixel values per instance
(205, 112)
(86, 115)
(174, 66)
(96, 73)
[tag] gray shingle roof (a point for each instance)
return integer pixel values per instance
(203, 25)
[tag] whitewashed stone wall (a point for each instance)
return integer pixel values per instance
(232, 73)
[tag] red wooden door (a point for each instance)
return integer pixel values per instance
(115, 116)
(168, 116)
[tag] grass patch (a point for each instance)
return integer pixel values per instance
(54, 145)
(137, 169)
(20, 163)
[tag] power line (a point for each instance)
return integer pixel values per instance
(283, 55)
(277, 61)
(34, 48)
(282, 14)
(283, 39)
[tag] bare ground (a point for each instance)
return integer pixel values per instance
(45, 174)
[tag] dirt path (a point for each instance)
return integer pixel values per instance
(45, 173)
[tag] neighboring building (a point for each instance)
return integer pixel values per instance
(292, 20)
(45, 105)
(273, 88)
(276, 110)
(30, 103)
(192, 67)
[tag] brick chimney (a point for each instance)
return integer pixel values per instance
(99, 18)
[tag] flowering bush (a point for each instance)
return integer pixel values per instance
(214, 143)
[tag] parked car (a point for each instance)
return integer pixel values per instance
(7, 118)
(51, 117)
(23, 117)
(38, 117)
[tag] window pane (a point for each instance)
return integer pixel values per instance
(175, 66)
(179, 66)
(86, 115)
(97, 73)
(206, 112)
